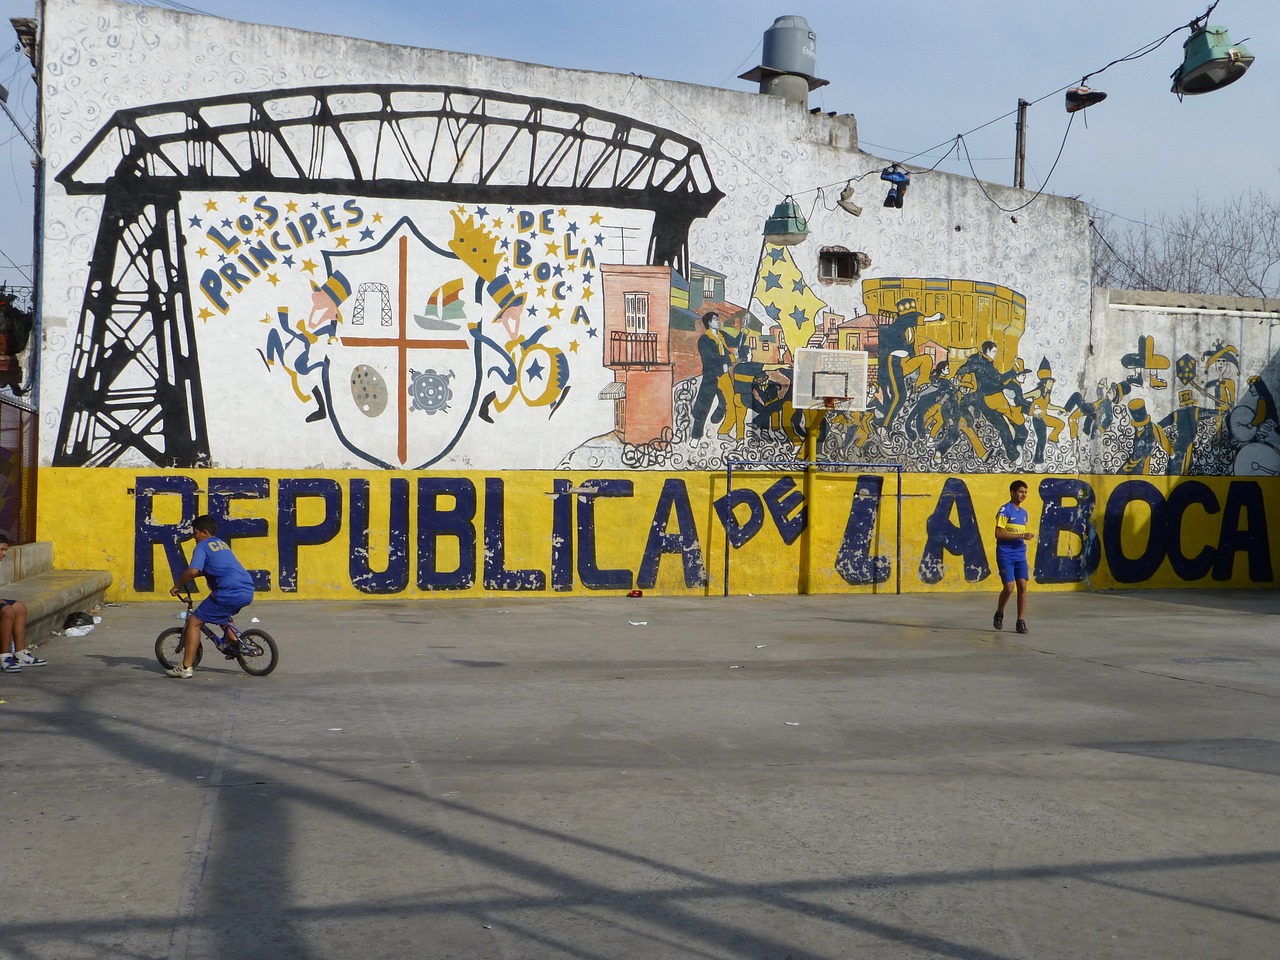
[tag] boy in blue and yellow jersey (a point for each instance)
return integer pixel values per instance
(230, 589)
(1011, 554)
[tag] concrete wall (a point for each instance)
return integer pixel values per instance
(386, 309)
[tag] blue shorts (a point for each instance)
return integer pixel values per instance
(218, 608)
(1012, 568)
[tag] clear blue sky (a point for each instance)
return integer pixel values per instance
(915, 75)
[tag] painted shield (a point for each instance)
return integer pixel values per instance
(402, 372)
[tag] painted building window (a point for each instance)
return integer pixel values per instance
(637, 312)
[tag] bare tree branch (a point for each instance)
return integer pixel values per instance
(1232, 249)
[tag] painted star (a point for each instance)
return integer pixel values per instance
(772, 282)
(366, 234)
(377, 218)
(341, 242)
(533, 310)
(599, 239)
(227, 224)
(573, 346)
(288, 260)
(205, 313)
(774, 312)
(573, 228)
(497, 224)
(242, 200)
(505, 244)
(586, 293)
(291, 207)
(554, 311)
(260, 232)
(596, 218)
(202, 252)
(222, 258)
(797, 285)
(213, 205)
(535, 369)
(315, 204)
(776, 254)
(553, 249)
(591, 331)
(194, 222)
(309, 266)
(586, 277)
(256, 216)
(321, 233)
(482, 212)
(542, 293)
(562, 212)
(798, 316)
(273, 279)
(558, 270)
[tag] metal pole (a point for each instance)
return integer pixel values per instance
(897, 564)
(4, 102)
(728, 499)
(1020, 147)
(813, 420)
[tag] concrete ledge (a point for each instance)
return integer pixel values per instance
(51, 596)
(26, 560)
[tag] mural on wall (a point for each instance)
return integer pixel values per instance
(401, 290)
(949, 391)
(435, 309)
(404, 338)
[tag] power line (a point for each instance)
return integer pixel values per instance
(1127, 265)
(1249, 251)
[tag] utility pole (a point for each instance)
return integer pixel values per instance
(4, 102)
(1020, 147)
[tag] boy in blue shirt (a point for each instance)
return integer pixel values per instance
(230, 589)
(1011, 554)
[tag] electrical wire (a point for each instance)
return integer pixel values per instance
(1043, 184)
(1125, 263)
(729, 150)
(747, 59)
(1234, 248)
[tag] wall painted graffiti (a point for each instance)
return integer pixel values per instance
(398, 534)
(488, 283)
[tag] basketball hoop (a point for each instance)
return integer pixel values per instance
(830, 380)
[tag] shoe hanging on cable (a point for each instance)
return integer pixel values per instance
(900, 179)
(1080, 97)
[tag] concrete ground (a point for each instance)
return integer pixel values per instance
(767, 777)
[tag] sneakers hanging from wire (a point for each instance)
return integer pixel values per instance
(900, 179)
(1080, 97)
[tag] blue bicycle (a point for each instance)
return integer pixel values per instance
(254, 650)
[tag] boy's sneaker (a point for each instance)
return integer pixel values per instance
(28, 659)
(181, 672)
(9, 664)
(1022, 626)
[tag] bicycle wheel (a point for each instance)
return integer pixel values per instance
(169, 648)
(262, 656)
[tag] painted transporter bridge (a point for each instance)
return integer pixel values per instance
(135, 381)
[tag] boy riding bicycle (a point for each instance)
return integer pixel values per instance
(230, 589)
